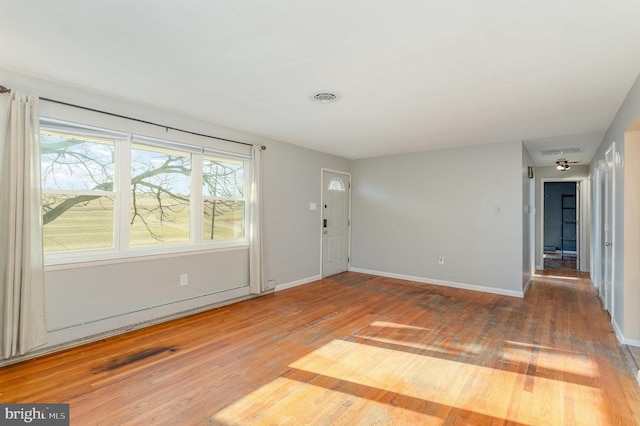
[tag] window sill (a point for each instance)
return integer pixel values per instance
(69, 261)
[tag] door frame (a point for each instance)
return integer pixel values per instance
(596, 241)
(580, 213)
(322, 184)
(611, 152)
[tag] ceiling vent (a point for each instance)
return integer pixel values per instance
(324, 97)
(561, 151)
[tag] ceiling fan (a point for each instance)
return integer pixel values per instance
(562, 164)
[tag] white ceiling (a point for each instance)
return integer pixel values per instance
(413, 75)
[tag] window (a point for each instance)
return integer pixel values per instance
(160, 196)
(224, 203)
(108, 193)
(78, 195)
(336, 184)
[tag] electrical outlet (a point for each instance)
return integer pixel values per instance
(184, 279)
(441, 260)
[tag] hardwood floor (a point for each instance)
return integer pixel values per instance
(560, 264)
(556, 261)
(353, 349)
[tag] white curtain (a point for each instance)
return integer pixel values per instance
(257, 254)
(21, 257)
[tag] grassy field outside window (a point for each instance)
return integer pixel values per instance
(94, 178)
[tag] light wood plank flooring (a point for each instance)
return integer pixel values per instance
(353, 349)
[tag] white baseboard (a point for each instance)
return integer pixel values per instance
(619, 334)
(625, 341)
(298, 282)
(463, 286)
(526, 287)
(630, 342)
(79, 334)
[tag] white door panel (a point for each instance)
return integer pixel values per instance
(609, 229)
(597, 237)
(335, 229)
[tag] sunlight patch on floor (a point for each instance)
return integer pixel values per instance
(412, 337)
(562, 364)
(425, 378)
(559, 277)
(346, 382)
(450, 351)
(297, 402)
(396, 325)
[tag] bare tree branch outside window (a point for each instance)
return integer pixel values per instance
(223, 190)
(79, 197)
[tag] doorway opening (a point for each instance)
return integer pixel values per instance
(561, 238)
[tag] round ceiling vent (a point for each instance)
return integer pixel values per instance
(324, 97)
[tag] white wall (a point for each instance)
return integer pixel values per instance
(82, 300)
(410, 209)
(466, 204)
(293, 180)
(626, 312)
(551, 174)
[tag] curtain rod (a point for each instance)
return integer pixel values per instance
(263, 147)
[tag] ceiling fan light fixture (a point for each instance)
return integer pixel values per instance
(562, 165)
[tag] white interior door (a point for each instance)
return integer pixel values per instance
(335, 222)
(608, 229)
(597, 236)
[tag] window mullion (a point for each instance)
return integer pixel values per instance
(124, 194)
(197, 203)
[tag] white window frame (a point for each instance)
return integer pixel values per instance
(122, 195)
